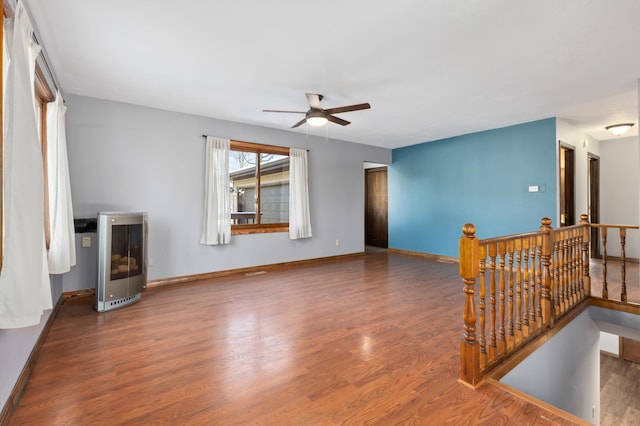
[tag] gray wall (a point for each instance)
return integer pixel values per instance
(565, 371)
(619, 190)
(126, 157)
(16, 346)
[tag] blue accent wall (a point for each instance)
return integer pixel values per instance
(480, 178)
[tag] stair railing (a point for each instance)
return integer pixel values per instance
(516, 287)
(604, 233)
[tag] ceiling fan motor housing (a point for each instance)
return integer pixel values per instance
(315, 113)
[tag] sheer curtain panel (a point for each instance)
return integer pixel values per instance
(216, 224)
(62, 246)
(299, 217)
(25, 290)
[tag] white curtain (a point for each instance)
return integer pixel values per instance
(299, 217)
(62, 245)
(216, 224)
(25, 290)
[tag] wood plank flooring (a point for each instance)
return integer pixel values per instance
(619, 392)
(614, 280)
(365, 340)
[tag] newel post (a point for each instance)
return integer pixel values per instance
(547, 252)
(586, 243)
(469, 270)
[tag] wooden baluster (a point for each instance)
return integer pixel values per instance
(570, 269)
(586, 236)
(578, 265)
(548, 317)
(510, 287)
(574, 267)
(578, 271)
(482, 338)
(518, 284)
(535, 300)
(570, 266)
(493, 346)
(502, 340)
(556, 277)
(580, 277)
(566, 264)
(623, 265)
(469, 268)
(526, 288)
(539, 244)
(605, 290)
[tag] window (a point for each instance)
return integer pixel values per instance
(43, 94)
(259, 188)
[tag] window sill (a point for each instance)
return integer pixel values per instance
(258, 229)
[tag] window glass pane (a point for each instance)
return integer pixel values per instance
(274, 188)
(242, 187)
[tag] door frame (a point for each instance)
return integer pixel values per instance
(367, 171)
(566, 196)
(593, 193)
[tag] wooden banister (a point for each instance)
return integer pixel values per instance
(469, 269)
(586, 234)
(530, 279)
(547, 246)
(622, 232)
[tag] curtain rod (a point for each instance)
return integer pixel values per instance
(205, 136)
(43, 58)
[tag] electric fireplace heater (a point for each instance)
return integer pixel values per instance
(122, 259)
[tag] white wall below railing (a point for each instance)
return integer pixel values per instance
(565, 371)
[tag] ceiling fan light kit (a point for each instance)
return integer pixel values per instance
(619, 129)
(317, 116)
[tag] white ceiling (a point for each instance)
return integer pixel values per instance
(430, 69)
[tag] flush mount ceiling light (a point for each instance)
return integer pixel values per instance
(619, 129)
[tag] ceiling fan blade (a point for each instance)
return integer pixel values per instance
(280, 110)
(347, 108)
(299, 123)
(337, 120)
(314, 100)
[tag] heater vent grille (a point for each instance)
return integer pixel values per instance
(124, 301)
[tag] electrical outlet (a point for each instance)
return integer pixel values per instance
(86, 241)
(337, 243)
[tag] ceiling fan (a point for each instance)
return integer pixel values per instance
(317, 116)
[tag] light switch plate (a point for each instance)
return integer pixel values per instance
(86, 241)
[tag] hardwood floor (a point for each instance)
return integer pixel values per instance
(614, 280)
(619, 392)
(364, 340)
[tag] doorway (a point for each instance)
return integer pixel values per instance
(594, 202)
(376, 207)
(567, 185)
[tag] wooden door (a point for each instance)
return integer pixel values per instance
(629, 349)
(594, 202)
(567, 185)
(376, 207)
